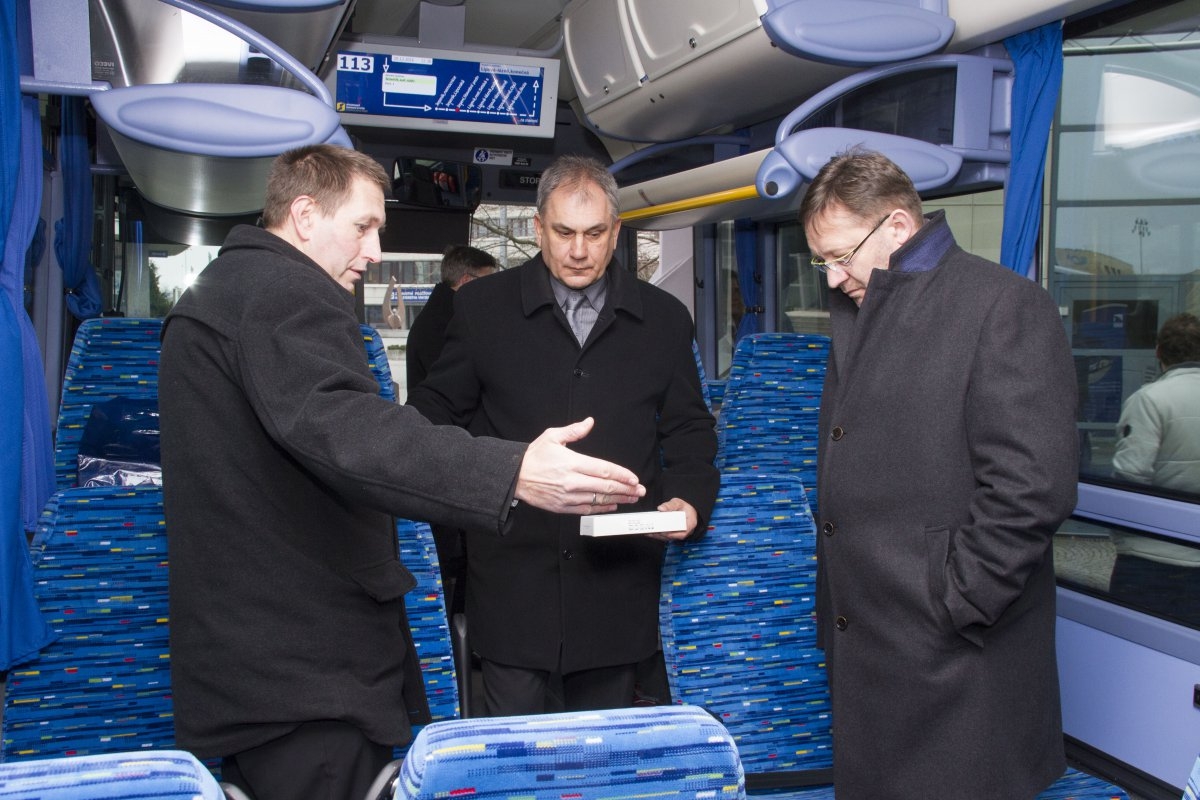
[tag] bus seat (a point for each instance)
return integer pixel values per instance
(739, 640)
(100, 578)
(738, 636)
(425, 604)
(152, 775)
(111, 357)
(768, 419)
(207, 148)
(705, 388)
(378, 361)
(427, 619)
(665, 752)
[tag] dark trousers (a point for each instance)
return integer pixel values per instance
(318, 761)
(511, 691)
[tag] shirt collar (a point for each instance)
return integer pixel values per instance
(595, 292)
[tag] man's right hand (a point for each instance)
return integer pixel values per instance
(556, 478)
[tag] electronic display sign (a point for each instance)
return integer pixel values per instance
(393, 86)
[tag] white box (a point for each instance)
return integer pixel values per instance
(636, 522)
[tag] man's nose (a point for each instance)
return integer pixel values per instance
(835, 278)
(578, 246)
(372, 251)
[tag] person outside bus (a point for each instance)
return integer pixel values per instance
(546, 605)
(291, 658)
(947, 460)
(1158, 444)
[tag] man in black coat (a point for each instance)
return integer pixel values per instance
(426, 338)
(547, 605)
(290, 654)
(947, 460)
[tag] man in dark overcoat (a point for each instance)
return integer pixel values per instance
(946, 463)
(545, 604)
(291, 660)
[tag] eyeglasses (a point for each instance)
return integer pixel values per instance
(840, 263)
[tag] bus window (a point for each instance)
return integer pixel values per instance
(1124, 219)
(1136, 569)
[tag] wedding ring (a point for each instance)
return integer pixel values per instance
(594, 496)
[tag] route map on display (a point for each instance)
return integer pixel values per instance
(500, 91)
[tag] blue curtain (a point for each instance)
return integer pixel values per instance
(1037, 56)
(22, 630)
(73, 233)
(745, 246)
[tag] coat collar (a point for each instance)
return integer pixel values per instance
(926, 248)
(623, 292)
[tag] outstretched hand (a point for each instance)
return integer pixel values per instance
(556, 478)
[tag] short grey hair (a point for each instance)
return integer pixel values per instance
(577, 172)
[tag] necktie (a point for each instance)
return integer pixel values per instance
(577, 316)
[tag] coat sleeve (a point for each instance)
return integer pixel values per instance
(1139, 435)
(303, 363)
(451, 391)
(1020, 425)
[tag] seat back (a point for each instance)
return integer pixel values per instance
(768, 419)
(737, 625)
(104, 685)
(378, 361)
(153, 775)
(110, 357)
(426, 604)
(661, 752)
(427, 619)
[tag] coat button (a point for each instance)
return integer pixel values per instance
(837, 433)
(827, 529)
(568, 555)
(841, 623)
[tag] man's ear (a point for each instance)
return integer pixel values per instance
(902, 225)
(302, 215)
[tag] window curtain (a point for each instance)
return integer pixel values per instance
(73, 233)
(1037, 57)
(27, 474)
(745, 248)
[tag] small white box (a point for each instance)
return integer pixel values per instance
(636, 522)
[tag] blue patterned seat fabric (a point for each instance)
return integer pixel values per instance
(104, 685)
(426, 609)
(768, 420)
(110, 357)
(737, 625)
(426, 604)
(665, 753)
(160, 775)
(378, 361)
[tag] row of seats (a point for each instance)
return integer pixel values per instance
(736, 613)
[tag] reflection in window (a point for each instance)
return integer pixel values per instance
(1147, 573)
(1124, 244)
(1140, 110)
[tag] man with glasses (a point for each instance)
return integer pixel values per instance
(946, 463)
